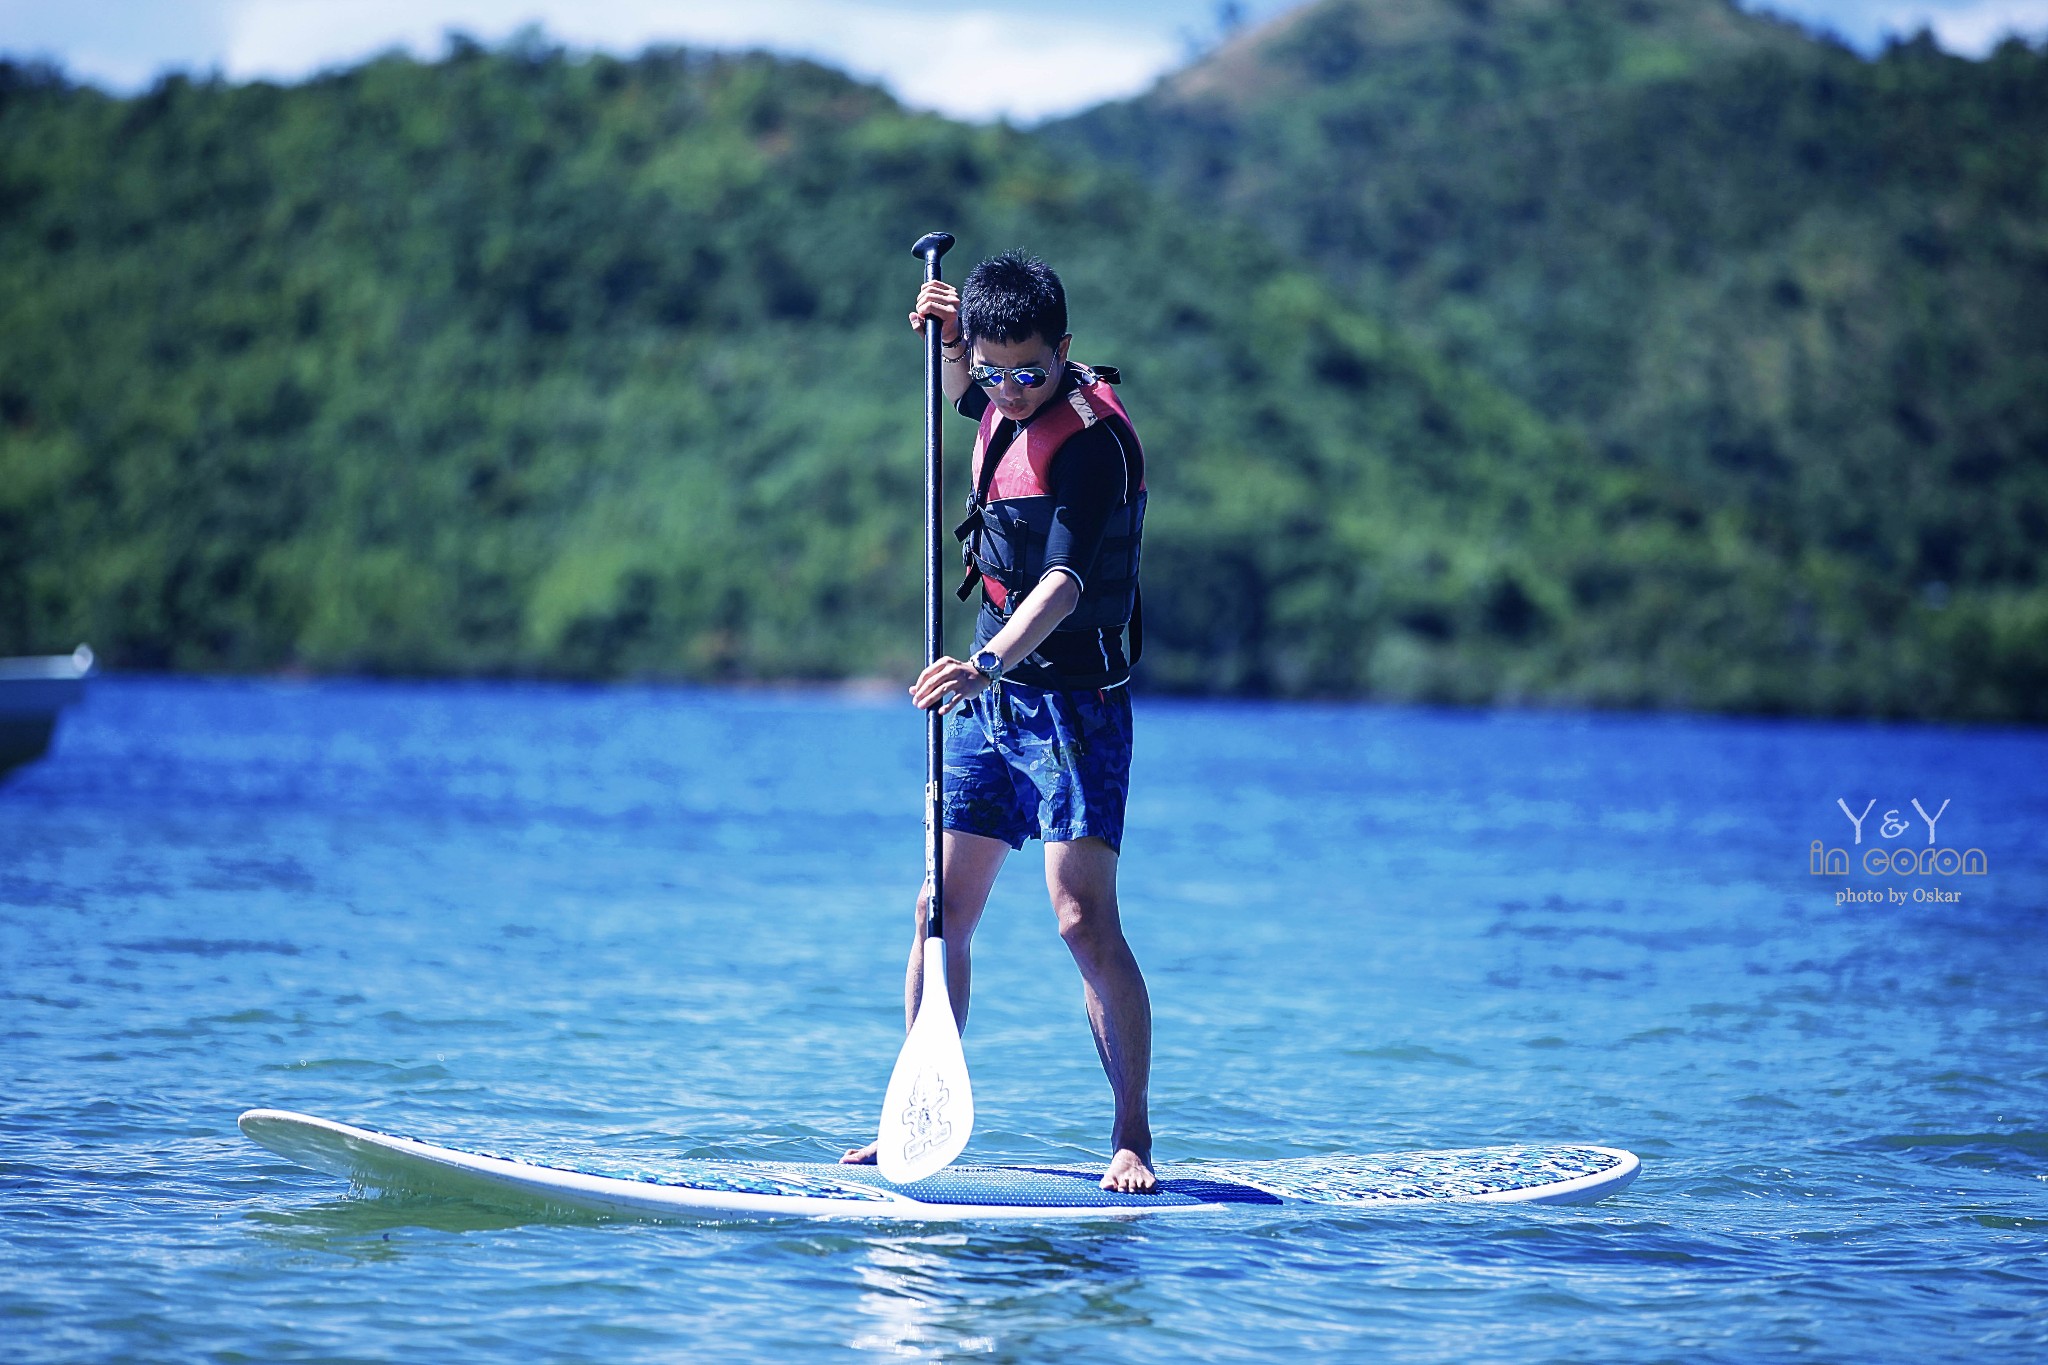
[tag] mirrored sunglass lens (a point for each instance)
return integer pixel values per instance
(1028, 377)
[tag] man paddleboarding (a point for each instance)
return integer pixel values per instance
(1038, 716)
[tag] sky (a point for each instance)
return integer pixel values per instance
(963, 59)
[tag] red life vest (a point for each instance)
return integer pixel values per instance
(1010, 514)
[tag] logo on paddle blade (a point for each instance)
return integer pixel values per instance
(921, 1115)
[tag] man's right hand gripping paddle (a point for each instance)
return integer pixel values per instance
(928, 1111)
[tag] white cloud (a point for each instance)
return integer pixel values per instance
(1972, 30)
(966, 58)
(1969, 28)
(970, 63)
(121, 43)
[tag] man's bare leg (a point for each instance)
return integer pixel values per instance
(1081, 875)
(971, 862)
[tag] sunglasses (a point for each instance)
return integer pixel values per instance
(1025, 376)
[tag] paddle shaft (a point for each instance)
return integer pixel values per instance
(930, 248)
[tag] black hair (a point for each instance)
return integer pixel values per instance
(1013, 297)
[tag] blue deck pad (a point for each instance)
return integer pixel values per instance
(1050, 1187)
(1030, 1187)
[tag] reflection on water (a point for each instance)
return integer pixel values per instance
(933, 1294)
(361, 1226)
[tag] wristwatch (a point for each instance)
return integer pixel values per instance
(989, 664)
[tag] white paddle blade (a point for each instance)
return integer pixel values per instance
(928, 1112)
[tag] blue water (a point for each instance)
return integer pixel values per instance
(651, 922)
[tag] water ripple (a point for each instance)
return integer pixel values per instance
(650, 924)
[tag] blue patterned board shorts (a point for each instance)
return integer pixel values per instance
(1031, 763)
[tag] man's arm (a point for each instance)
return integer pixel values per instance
(1048, 604)
(1093, 475)
(1051, 602)
(940, 300)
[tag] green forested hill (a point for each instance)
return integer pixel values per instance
(519, 362)
(1809, 288)
(522, 363)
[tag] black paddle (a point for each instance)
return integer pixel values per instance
(928, 1111)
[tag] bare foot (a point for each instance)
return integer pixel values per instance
(1129, 1173)
(865, 1156)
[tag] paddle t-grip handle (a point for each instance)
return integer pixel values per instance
(929, 248)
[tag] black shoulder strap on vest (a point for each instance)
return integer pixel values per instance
(972, 525)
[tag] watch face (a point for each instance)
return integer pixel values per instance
(987, 663)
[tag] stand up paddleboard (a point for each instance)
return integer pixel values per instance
(684, 1190)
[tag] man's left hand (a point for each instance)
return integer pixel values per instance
(947, 684)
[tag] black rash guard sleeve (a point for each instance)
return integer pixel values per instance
(1089, 478)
